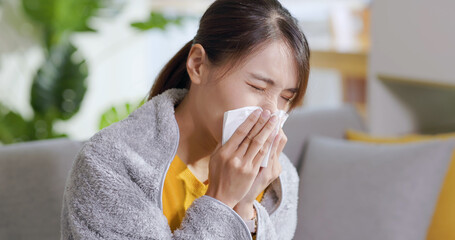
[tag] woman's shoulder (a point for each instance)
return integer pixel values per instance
(146, 136)
(151, 125)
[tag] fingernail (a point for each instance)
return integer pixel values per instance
(265, 114)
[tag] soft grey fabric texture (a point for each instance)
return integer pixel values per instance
(114, 188)
(358, 191)
(32, 180)
(328, 122)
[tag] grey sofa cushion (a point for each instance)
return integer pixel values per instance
(357, 191)
(32, 181)
(329, 122)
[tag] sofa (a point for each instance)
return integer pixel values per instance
(32, 181)
(33, 175)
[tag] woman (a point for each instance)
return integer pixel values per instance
(162, 172)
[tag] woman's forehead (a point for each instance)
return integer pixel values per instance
(274, 61)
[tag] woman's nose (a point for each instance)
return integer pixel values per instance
(269, 106)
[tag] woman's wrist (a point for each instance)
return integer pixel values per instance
(245, 210)
(248, 214)
(215, 196)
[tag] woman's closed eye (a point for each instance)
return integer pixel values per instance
(286, 99)
(263, 90)
(257, 88)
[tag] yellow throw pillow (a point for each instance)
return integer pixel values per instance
(443, 222)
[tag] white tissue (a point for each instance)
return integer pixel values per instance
(234, 118)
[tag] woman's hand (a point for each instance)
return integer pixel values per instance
(234, 166)
(265, 176)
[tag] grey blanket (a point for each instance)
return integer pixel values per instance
(114, 189)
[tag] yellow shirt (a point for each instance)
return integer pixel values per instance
(181, 188)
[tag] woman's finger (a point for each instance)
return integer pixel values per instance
(276, 169)
(258, 158)
(260, 139)
(282, 143)
(273, 155)
(276, 143)
(265, 115)
(243, 130)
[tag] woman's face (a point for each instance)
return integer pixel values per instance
(266, 79)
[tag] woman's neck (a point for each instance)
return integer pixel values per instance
(196, 143)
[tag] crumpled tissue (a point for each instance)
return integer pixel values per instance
(234, 118)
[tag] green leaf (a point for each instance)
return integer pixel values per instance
(43, 127)
(41, 11)
(14, 128)
(60, 17)
(73, 15)
(60, 85)
(157, 20)
(118, 113)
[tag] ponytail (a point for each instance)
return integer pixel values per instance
(174, 73)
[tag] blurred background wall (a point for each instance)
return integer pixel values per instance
(122, 60)
(412, 72)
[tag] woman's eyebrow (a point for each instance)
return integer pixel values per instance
(270, 81)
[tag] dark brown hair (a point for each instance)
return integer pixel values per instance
(231, 30)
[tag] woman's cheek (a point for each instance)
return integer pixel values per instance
(251, 98)
(244, 100)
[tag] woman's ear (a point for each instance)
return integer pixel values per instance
(196, 64)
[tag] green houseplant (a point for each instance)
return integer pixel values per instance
(59, 85)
